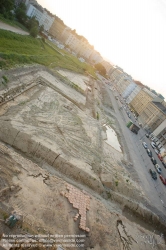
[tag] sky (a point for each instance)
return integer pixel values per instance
(128, 33)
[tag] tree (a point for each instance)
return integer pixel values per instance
(20, 13)
(33, 26)
(34, 31)
(100, 68)
(32, 22)
(6, 6)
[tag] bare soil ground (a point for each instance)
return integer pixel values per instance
(50, 138)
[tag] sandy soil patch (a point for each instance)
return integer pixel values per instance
(78, 79)
(68, 91)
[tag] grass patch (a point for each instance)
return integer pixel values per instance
(116, 183)
(19, 49)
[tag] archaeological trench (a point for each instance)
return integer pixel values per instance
(57, 172)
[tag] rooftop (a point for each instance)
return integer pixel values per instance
(139, 83)
(160, 106)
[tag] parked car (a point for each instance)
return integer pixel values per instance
(164, 164)
(149, 152)
(153, 174)
(157, 151)
(158, 169)
(162, 179)
(145, 145)
(147, 135)
(129, 115)
(153, 145)
(153, 161)
(160, 157)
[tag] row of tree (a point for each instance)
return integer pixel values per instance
(12, 12)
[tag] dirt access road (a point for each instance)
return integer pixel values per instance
(5, 26)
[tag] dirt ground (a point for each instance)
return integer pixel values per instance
(50, 138)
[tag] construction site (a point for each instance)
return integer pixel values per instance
(60, 179)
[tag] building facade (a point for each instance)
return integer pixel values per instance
(141, 100)
(116, 74)
(161, 134)
(133, 94)
(41, 15)
(123, 83)
(79, 45)
(57, 29)
(130, 88)
(153, 115)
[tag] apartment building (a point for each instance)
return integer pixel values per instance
(153, 114)
(65, 34)
(85, 49)
(136, 89)
(141, 100)
(73, 42)
(79, 45)
(41, 15)
(116, 74)
(129, 89)
(123, 83)
(57, 29)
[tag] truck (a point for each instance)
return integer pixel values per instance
(133, 127)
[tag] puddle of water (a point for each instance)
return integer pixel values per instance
(112, 138)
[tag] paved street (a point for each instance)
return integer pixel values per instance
(154, 189)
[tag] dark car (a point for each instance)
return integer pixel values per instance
(149, 152)
(153, 161)
(153, 174)
(147, 135)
